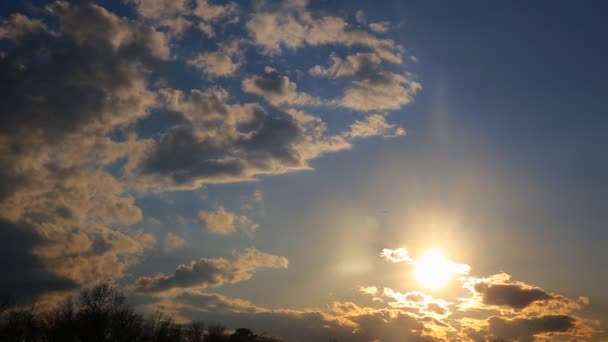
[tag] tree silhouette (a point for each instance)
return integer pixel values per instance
(101, 314)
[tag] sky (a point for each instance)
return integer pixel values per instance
(357, 170)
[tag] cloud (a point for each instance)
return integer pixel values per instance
(24, 274)
(374, 125)
(212, 12)
(173, 242)
(529, 329)
(212, 272)
(62, 94)
(373, 87)
(418, 303)
(178, 16)
(277, 90)
(258, 196)
(512, 295)
(343, 321)
(360, 17)
(274, 30)
(18, 25)
(380, 27)
(394, 316)
(223, 222)
(385, 91)
(221, 63)
(216, 142)
(160, 8)
(396, 255)
(358, 65)
(496, 307)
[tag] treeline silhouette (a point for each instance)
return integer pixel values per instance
(101, 314)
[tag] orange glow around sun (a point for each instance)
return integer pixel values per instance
(434, 270)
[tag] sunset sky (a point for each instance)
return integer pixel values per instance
(357, 170)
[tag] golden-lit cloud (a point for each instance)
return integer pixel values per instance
(224, 222)
(173, 242)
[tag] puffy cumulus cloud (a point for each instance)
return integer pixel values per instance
(212, 272)
(530, 329)
(178, 16)
(64, 96)
(548, 327)
(512, 295)
(384, 91)
(217, 142)
(374, 125)
(380, 27)
(277, 89)
(416, 302)
(173, 242)
(75, 93)
(488, 308)
(108, 30)
(212, 12)
(24, 274)
(221, 63)
(413, 316)
(396, 255)
(373, 87)
(500, 293)
(18, 25)
(167, 14)
(394, 315)
(224, 222)
(357, 65)
(273, 31)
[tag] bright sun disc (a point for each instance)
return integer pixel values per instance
(433, 270)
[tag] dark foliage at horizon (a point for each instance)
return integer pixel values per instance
(101, 314)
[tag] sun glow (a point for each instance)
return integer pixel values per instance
(434, 271)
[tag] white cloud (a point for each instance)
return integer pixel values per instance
(396, 255)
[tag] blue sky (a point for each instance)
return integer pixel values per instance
(250, 161)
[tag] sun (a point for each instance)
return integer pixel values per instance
(434, 271)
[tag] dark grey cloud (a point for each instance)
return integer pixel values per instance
(90, 74)
(512, 295)
(85, 79)
(212, 272)
(62, 92)
(524, 329)
(24, 276)
(217, 142)
(265, 144)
